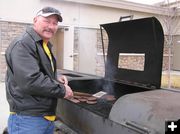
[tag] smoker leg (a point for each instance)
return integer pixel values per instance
(61, 128)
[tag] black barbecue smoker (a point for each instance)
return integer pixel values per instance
(141, 106)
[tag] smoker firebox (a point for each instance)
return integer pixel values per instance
(140, 106)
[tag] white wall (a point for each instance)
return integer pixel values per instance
(73, 13)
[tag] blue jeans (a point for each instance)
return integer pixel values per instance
(20, 124)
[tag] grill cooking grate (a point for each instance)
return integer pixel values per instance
(102, 107)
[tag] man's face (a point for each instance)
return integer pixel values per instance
(46, 27)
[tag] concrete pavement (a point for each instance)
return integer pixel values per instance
(4, 108)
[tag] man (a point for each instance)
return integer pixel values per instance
(31, 83)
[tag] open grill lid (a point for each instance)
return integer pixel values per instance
(142, 37)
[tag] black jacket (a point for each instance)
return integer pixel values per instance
(31, 85)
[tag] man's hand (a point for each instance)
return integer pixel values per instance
(69, 92)
(63, 79)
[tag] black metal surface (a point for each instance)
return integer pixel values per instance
(136, 36)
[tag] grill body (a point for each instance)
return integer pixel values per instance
(141, 106)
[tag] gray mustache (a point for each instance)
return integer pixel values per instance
(49, 30)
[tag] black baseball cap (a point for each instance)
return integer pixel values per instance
(47, 11)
